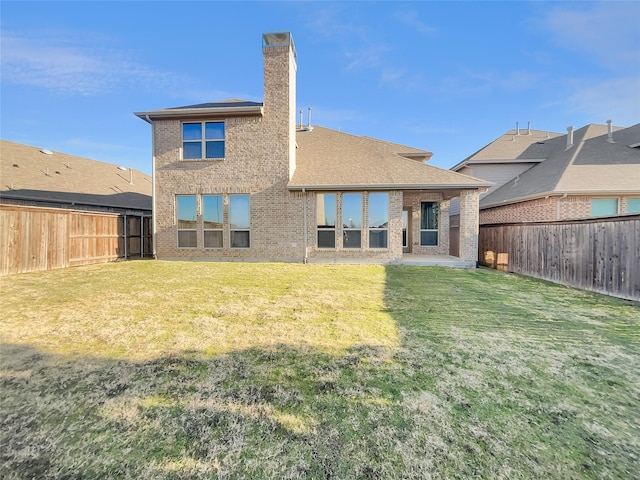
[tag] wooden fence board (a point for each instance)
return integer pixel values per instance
(35, 238)
(602, 255)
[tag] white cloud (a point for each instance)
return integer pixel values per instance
(606, 32)
(411, 18)
(617, 99)
(52, 62)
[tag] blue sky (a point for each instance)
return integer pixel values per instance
(448, 77)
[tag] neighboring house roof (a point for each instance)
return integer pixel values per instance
(28, 174)
(331, 160)
(592, 165)
(514, 146)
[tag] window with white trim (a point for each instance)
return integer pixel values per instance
(201, 140)
(187, 221)
(429, 224)
(326, 219)
(212, 221)
(239, 221)
(352, 220)
(378, 220)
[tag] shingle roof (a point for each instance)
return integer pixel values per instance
(525, 145)
(592, 165)
(328, 159)
(234, 102)
(27, 173)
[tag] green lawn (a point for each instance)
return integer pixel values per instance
(156, 370)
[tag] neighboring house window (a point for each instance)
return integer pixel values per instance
(326, 219)
(202, 137)
(212, 221)
(239, 220)
(633, 205)
(429, 224)
(352, 220)
(378, 220)
(601, 207)
(186, 214)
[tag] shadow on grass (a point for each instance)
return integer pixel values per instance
(459, 397)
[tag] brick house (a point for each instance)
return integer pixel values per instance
(590, 172)
(241, 180)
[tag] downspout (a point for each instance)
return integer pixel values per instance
(304, 236)
(153, 188)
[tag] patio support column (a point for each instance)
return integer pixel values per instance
(469, 219)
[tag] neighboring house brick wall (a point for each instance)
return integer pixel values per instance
(571, 207)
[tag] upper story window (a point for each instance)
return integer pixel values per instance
(202, 140)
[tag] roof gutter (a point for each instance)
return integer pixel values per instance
(390, 186)
(199, 112)
(591, 193)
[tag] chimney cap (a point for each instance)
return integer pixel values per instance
(279, 39)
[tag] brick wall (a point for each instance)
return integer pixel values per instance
(257, 162)
(571, 207)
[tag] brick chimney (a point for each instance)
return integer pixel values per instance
(280, 92)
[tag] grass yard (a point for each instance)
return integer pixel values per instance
(162, 370)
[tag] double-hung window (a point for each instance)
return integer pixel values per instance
(429, 224)
(239, 221)
(186, 216)
(378, 220)
(212, 221)
(202, 140)
(326, 219)
(352, 220)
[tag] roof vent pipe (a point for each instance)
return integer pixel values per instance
(300, 118)
(517, 129)
(309, 119)
(609, 132)
(528, 128)
(569, 137)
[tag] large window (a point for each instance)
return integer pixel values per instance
(202, 140)
(212, 219)
(186, 215)
(429, 224)
(378, 220)
(601, 207)
(239, 215)
(326, 219)
(352, 220)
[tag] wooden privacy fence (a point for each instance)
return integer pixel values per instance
(601, 255)
(34, 238)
